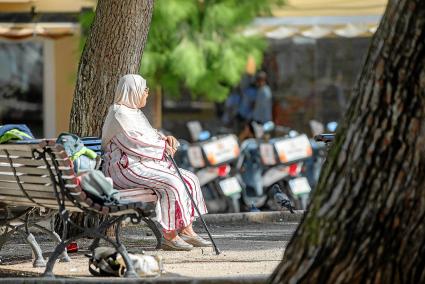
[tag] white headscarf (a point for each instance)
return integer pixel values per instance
(124, 115)
(130, 90)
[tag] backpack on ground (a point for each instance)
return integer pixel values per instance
(103, 262)
(106, 261)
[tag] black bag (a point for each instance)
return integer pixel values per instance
(103, 262)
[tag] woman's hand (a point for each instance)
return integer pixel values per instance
(172, 141)
(169, 150)
(171, 145)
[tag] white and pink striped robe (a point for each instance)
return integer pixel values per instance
(132, 160)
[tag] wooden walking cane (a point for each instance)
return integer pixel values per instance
(217, 251)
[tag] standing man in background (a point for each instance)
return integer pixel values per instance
(263, 100)
(247, 102)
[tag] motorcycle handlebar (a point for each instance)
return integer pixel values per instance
(325, 137)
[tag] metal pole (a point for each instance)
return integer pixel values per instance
(217, 251)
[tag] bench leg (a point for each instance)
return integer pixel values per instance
(94, 244)
(104, 225)
(60, 248)
(156, 231)
(130, 272)
(64, 256)
(39, 261)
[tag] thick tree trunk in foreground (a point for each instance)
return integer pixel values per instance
(113, 48)
(366, 221)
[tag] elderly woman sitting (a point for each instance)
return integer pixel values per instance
(136, 156)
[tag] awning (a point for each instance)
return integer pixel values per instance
(318, 19)
(320, 8)
(319, 31)
(17, 31)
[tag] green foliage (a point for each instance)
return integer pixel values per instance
(198, 45)
(86, 18)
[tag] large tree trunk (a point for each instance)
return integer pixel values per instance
(365, 223)
(114, 48)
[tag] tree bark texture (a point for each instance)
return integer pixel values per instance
(366, 220)
(114, 48)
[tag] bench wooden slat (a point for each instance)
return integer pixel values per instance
(37, 187)
(138, 195)
(28, 203)
(33, 193)
(25, 170)
(27, 186)
(36, 164)
(34, 171)
(130, 194)
(143, 198)
(22, 146)
(47, 202)
(70, 179)
(70, 186)
(125, 209)
(56, 148)
(45, 195)
(25, 178)
(23, 161)
(17, 153)
(136, 190)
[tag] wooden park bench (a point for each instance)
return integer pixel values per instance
(37, 180)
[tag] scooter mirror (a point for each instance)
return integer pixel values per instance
(331, 126)
(293, 133)
(268, 126)
(204, 135)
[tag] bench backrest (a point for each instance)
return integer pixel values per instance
(33, 175)
(35, 185)
(25, 180)
(93, 143)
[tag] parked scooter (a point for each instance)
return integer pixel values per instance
(210, 159)
(265, 162)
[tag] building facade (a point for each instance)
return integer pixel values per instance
(39, 51)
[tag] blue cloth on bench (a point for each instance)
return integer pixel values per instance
(15, 132)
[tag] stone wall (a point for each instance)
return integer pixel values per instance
(312, 79)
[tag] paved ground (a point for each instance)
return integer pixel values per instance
(248, 249)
